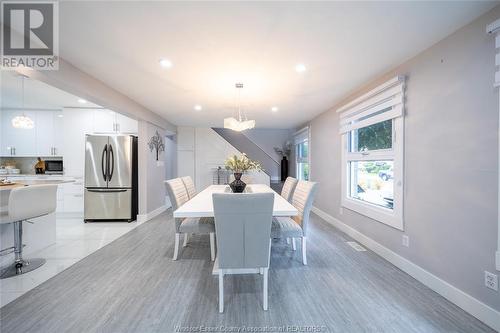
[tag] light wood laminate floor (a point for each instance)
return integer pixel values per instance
(132, 285)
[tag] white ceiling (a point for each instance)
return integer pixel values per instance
(214, 44)
(37, 95)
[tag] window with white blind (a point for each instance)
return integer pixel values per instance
(301, 139)
(372, 153)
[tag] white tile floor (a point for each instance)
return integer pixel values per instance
(74, 241)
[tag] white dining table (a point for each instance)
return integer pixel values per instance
(202, 206)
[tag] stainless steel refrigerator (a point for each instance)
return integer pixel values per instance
(110, 178)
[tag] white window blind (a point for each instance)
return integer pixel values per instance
(382, 103)
(301, 135)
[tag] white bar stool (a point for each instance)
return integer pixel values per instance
(26, 203)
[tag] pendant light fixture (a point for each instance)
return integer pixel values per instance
(23, 121)
(242, 123)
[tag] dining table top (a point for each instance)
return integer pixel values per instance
(202, 206)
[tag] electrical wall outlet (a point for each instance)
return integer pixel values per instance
(491, 280)
(406, 241)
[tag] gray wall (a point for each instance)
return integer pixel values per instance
(451, 168)
(267, 139)
(151, 172)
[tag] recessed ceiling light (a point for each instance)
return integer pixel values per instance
(274, 109)
(198, 107)
(165, 63)
(60, 115)
(82, 101)
(300, 68)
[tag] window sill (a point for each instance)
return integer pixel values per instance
(376, 213)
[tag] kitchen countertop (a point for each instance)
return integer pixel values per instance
(43, 175)
(32, 182)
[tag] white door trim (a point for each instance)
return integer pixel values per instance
(494, 29)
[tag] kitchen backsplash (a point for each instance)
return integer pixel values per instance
(25, 164)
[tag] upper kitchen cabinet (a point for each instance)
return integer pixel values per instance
(110, 122)
(126, 125)
(17, 141)
(44, 139)
(58, 133)
(48, 126)
(77, 123)
(104, 121)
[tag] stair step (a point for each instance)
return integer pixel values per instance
(277, 186)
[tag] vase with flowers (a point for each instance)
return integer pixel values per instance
(238, 165)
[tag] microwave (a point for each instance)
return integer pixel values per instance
(54, 167)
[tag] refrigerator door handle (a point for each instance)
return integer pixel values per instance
(104, 152)
(112, 154)
(107, 190)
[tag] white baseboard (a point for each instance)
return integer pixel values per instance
(481, 311)
(148, 216)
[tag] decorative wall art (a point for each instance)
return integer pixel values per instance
(156, 143)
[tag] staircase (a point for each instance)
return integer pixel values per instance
(277, 186)
(254, 152)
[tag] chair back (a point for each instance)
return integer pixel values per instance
(302, 199)
(191, 190)
(243, 229)
(288, 188)
(32, 201)
(177, 192)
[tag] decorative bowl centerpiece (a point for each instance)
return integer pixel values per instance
(238, 165)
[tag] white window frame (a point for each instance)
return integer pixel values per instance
(301, 136)
(377, 99)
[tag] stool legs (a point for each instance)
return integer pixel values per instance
(18, 241)
(20, 266)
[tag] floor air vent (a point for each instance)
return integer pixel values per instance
(356, 246)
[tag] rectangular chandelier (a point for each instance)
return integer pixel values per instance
(238, 125)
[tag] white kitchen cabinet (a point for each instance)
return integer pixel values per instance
(43, 140)
(58, 133)
(17, 141)
(77, 123)
(73, 203)
(106, 121)
(44, 129)
(126, 125)
(60, 199)
(73, 196)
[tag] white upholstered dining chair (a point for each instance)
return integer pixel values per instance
(288, 188)
(190, 188)
(190, 225)
(296, 226)
(243, 227)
